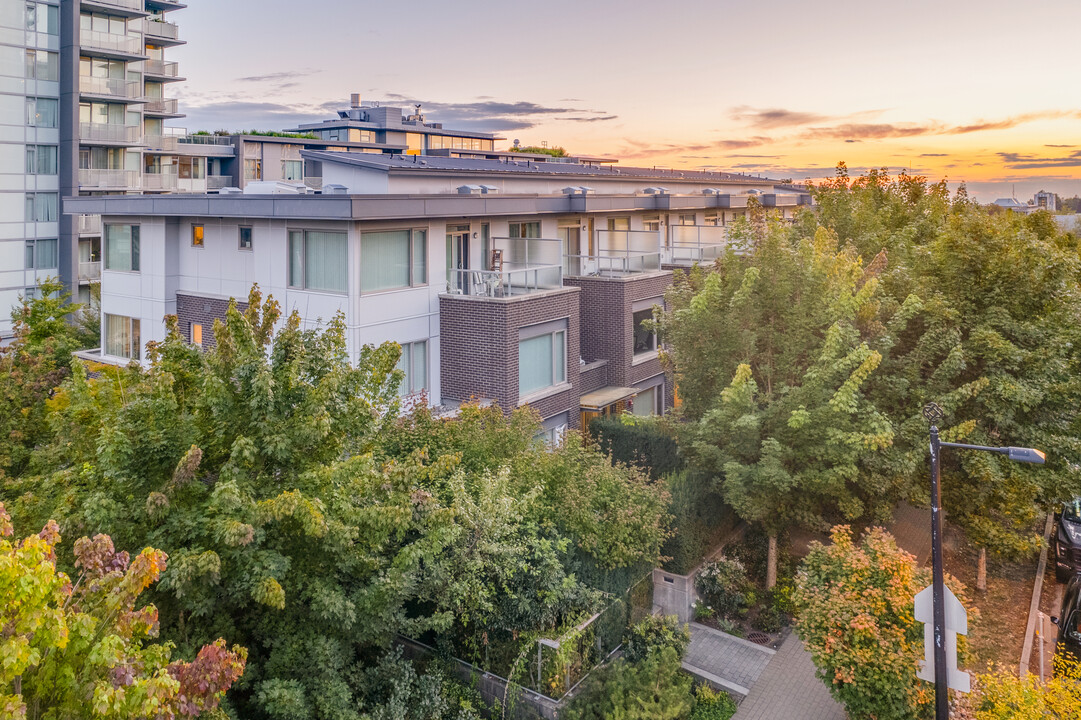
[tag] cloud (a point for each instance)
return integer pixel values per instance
(635, 149)
(770, 118)
(276, 76)
(850, 140)
(1020, 161)
(934, 154)
(864, 131)
(603, 118)
(1060, 146)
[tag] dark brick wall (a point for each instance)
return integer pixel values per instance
(202, 311)
(594, 377)
(608, 322)
(479, 347)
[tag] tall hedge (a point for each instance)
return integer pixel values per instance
(644, 442)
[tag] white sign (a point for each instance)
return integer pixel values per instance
(956, 622)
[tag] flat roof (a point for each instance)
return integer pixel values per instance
(599, 399)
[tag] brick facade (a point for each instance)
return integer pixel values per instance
(479, 347)
(608, 323)
(594, 376)
(193, 309)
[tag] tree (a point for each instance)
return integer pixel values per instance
(772, 351)
(653, 689)
(78, 650)
(855, 615)
(1002, 695)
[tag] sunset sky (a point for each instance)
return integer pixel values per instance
(976, 90)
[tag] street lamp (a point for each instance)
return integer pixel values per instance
(933, 413)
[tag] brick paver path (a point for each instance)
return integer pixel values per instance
(726, 661)
(789, 690)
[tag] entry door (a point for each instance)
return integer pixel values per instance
(572, 245)
(458, 257)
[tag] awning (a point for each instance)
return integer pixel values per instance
(600, 399)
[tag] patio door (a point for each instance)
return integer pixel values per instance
(571, 235)
(458, 258)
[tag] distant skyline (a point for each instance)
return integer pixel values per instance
(978, 91)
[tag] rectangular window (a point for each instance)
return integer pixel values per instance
(122, 337)
(42, 18)
(393, 259)
(525, 230)
(197, 234)
(645, 340)
(293, 170)
(244, 238)
(414, 363)
(542, 361)
(48, 256)
(686, 219)
(646, 402)
(42, 65)
(618, 224)
(41, 112)
(122, 248)
(41, 159)
(253, 169)
(42, 207)
(29, 258)
(197, 334)
(318, 260)
(651, 223)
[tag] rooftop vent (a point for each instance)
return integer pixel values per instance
(489, 189)
(354, 100)
(712, 191)
(656, 191)
(578, 190)
(230, 191)
(470, 190)
(335, 189)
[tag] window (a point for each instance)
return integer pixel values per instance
(617, 224)
(197, 234)
(41, 112)
(393, 259)
(711, 219)
(42, 18)
(686, 220)
(191, 168)
(197, 334)
(122, 248)
(42, 207)
(317, 260)
(48, 257)
(293, 170)
(122, 337)
(525, 230)
(553, 429)
(542, 357)
(253, 169)
(647, 402)
(652, 223)
(29, 257)
(42, 65)
(414, 363)
(41, 159)
(645, 340)
(244, 238)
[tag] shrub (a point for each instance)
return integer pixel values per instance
(753, 552)
(656, 633)
(645, 442)
(722, 584)
(703, 611)
(710, 704)
(727, 626)
(699, 517)
(654, 689)
(770, 620)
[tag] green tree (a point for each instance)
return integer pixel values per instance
(653, 689)
(1002, 695)
(78, 650)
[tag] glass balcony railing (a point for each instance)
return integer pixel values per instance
(107, 132)
(159, 181)
(160, 142)
(207, 139)
(161, 68)
(93, 39)
(160, 29)
(131, 5)
(88, 224)
(509, 282)
(617, 253)
(217, 182)
(118, 179)
(90, 271)
(111, 87)
(161, 106)
(690, 244)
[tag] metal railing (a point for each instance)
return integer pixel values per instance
(160, 29)
(88, 224)
(107, 132)
(689, 244)
(161, 68)
(611, 263)
(509, 282)
(217, 182)
(160, 142)
(207, 139)
(112, 87)
(113, 43)
(90, 271)
(159, 181)
(161, 106)
(108, 178)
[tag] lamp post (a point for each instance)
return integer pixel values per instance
(933, 413)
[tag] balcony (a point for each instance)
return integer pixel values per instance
(617, 253)
(315, 183)
(161, 106)
(108, 133)
(88, 224)
(161, 32)
(109, 44)
(159, 182)
(690, 244)
(207, 145)
(127, 8)
(217, 182)
(528, 269)
(112, 88)
(108, 179)
(90, 271)
(161, 70)
(160, 143)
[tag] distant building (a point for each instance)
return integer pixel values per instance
(1044, 200)
(1012, 204)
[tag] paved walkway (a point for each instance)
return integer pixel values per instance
(789, 690)
(724, 660)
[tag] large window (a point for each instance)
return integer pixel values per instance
(48, 255)
(393, 259)
(253, 169)
(122, 336)
(293, 170)
(41, 160)
(414, 363)
(42, 207)
(542, 357)
(42, 65)
(41, 112)
(525, 230)
(122, 248)
(42, 18)
(645, 340)
(317, 260)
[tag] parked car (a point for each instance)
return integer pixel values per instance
(1069, 621)
(1068, 540)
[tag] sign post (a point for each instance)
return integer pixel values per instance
(956, 623)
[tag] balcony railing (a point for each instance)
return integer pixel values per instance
(112, 87)
(88, 224)
(161, 68)
(90, 271)
(315, 183)
(167, 143)
(132, 5)
(113, 43)
(160, 29)
(509, 282)
(107, 132)
(161, 106)
(617, 253)
(217, 182)
(159, 181)
(108, 178)
(207, 139)
(689, 244)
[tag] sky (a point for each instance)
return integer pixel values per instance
(979, 91)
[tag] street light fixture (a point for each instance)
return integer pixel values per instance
(933, 413)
